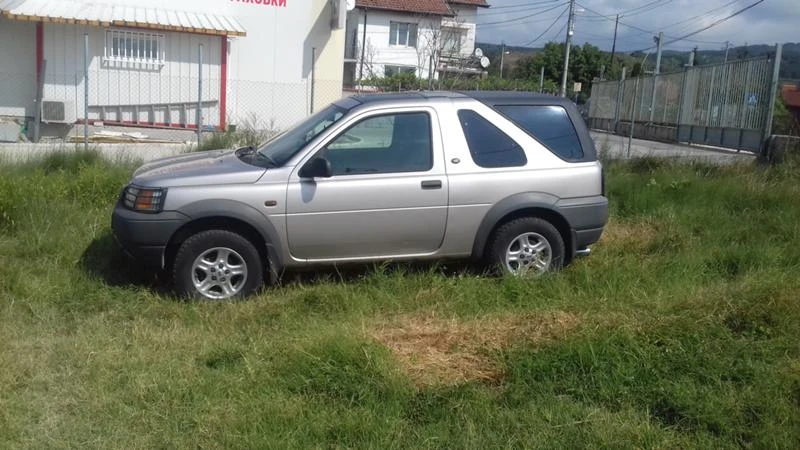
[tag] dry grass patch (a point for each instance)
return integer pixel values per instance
(636, 233)
(434, 350)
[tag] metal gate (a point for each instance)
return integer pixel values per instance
(724, 105)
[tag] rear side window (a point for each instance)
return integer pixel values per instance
(548, 124)
(488, 145)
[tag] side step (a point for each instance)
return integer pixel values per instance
(583, 251)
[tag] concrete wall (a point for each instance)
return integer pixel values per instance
(779, 147)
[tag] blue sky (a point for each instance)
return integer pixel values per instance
(519, 22)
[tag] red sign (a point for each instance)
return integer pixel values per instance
(279, 3)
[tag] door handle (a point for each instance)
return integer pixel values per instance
(432, 184)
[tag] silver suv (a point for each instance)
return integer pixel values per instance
(508, 178)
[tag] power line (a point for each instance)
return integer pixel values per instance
(519, 5)
(546, 29)
(715, 23)
(523, 17)
(517, 9)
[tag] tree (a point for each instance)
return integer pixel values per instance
(637, 70)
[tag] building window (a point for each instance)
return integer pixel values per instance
(403, 34)
(390, 71)
(452, 40)
(134, 47)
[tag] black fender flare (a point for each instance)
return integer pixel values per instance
(509, 205)
(232, 209)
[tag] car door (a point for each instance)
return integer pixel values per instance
(387, 195)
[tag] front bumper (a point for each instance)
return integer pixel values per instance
(145, 236)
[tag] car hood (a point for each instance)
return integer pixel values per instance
(213, 167)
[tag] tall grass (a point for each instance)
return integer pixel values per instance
(684, 331)
(252, 132)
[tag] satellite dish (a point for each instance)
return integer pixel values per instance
(484, 62)
(350, 4)
(478, 53)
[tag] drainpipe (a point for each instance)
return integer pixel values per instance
(363, 49)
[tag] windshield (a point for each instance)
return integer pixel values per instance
(281, 149)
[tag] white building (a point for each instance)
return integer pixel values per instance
(424, 37)
(258, 57)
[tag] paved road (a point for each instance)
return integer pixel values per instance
(617, 147)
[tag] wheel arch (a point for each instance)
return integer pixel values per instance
(232, 216)
(528, 204)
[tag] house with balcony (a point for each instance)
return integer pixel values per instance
(426, 38)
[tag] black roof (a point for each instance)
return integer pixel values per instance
(482, 96)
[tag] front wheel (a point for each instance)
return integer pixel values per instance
(528, 246)
(217, 265)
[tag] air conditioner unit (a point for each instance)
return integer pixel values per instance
(58, 111)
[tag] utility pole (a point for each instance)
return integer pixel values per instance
(660, 41)
(614, 45)
(502, 58)
(692, 55)
(570, 23)
(727, 44)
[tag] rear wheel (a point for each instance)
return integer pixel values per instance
(528, 246)
(217, 265)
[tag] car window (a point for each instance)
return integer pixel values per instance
(387, 143)
(550, 125)
(489, 146)
(283, 147)
(374, 133)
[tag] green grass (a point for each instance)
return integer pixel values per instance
(685, 334)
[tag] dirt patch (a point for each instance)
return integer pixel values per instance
(434, 350)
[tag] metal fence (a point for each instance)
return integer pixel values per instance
(726, 105)
(149, 99)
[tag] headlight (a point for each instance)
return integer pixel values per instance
(144, 199)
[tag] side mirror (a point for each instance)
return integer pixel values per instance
(316, 168)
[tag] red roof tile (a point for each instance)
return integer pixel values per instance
(437, 7)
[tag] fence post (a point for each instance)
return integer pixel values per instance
(633, 116)
(199, 112)
(85, 91)
(773, 87)
(681, 101)
(743, 119)
(620, 93)
(710, 95)
(313, 73)
(653, 98)
(541, 80)
(724, 109)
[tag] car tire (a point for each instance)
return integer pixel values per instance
(528, 246)
(217, 265)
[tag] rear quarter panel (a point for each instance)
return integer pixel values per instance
(474, 189)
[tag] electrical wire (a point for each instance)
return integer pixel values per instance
(529, 43)
(711, 25)
(523, 17)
